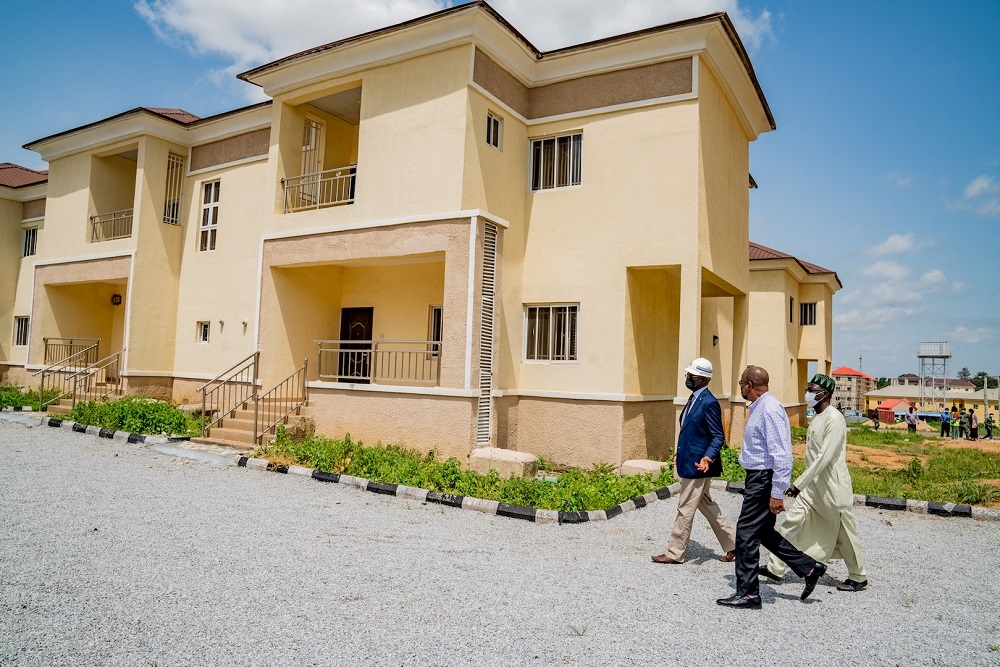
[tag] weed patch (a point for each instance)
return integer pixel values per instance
(136, 415)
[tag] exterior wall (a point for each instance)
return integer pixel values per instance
(425, 422)
(231, 149)
(10, 269)
(772, 339)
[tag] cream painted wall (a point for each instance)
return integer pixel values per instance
(81, 311)
(817, 341)
(717, 320)
(10, 272)
(634, 208)
(411, 141)
(112, 184)
(401, 296)
(652, 316)
(221, 284)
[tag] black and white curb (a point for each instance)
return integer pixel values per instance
(492, 507)
(19, 408)
(110, 434)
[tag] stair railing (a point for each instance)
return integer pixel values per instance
(60, 376)
(229, 391)
(101, 379)
(279, 401)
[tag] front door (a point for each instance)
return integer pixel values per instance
(354, 359)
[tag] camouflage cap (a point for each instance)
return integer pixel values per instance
(824, 381)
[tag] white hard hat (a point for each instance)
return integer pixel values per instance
(701, 367)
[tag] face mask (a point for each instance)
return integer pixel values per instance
(690, 383)
(811, 399)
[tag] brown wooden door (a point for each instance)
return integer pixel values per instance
(354, 361)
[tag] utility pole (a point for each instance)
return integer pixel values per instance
(860, 367)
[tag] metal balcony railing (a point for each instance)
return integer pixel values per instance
(57, 349)
(380, 361)
(322, 188)
(110, 226)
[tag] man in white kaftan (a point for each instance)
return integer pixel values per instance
(821, 522)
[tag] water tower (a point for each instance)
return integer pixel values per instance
(934, 374)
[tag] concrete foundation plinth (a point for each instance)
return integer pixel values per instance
(505, 461)
(642, 466)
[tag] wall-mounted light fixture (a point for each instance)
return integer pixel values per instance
(116, 299)
(715, 341)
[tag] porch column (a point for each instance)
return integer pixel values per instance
(689, 339)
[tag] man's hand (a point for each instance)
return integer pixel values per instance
(792, 491)
(702, 465)
(777, 505)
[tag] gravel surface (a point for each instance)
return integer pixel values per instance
(118, 554)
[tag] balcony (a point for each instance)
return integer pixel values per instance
(393, 362)
(320, 189)
(111, 226)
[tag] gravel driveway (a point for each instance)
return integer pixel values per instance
(114, 554)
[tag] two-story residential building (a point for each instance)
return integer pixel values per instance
(446, 237)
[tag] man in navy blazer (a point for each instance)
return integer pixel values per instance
(697, 461)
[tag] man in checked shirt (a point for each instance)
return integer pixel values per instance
(767, 457)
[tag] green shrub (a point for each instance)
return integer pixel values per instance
(574, 490)
(12, 397)
(134, 414)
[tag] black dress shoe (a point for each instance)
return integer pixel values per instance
(764, 572)
(852, 586)
(740, 601)
(814, 574)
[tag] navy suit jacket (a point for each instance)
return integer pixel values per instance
(701, 435)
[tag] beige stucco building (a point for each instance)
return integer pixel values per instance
(464, 240)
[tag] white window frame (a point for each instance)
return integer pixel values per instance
(29, 241)
(572, 341)
(806, 309)
(573, 168)
(203, 332)
(494, 130)
(208, 227)
(435, 329)
(22, 328)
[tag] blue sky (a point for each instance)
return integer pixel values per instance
(885, 166)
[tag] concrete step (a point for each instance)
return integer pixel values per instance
(60, 409)
(238, 424)
(244, 415)
(235, 444)
(236, 435)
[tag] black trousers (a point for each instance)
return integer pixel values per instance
(756, 527)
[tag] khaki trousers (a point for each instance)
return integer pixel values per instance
(694, 496)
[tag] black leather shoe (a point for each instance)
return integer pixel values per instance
(852, 586)
(764, 572)
(814, 574)
(740, 601)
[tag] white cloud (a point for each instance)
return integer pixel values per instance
(896, 243)
(971, 336)
(898, 179)
(960, 288)
(981, 196)
(933, 278)
(250, 33)
(870, 319)
(885, 270)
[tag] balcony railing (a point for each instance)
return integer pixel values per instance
(404, 362)
(110, 226)
(57, 349)
(319, 189)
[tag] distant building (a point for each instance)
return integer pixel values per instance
(909, 379)
(852, 386)
(980, 399)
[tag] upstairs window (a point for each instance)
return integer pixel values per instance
(175, 183)
(807, 314)
(29, 241)
(436, 330)
(21, 326)
(791, 309)
(550, 332)
(494, 130)
(209, 216)
(204, 330)
(557, 162)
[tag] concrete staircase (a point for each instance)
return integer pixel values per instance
(236, 430)
(65, 405)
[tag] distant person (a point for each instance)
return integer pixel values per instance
(911, 420)
(699, 445)
(954, 425)
(875, 420)
(988, 424)
(973, 425)
(963, 425)
(945, 423)
(821, 522)
(840, 406)
(767, 458)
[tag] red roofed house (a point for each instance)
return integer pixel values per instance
(852, 386)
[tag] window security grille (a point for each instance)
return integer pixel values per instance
(209, 216)
(175, 183)
(29, 243)
(807, 314)
(551, 333)
(21, 326)
(557, 162)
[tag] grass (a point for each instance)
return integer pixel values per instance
(136, 415)
(574, 489)
(14, 397)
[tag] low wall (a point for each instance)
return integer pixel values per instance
(444, 424)
(16, 375)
